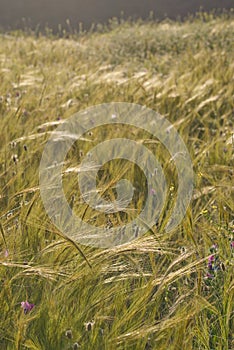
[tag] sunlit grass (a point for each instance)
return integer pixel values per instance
(152, 293)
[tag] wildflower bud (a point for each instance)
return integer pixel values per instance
(152, 191)
(76, 346)
(26, 306)
(25, 113)
(15, 158)
(68, 334)
(89, 326)
(222, 266)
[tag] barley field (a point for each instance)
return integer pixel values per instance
(164, 290)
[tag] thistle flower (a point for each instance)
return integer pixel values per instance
(27, 307)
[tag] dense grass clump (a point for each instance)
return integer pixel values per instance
(164, 290)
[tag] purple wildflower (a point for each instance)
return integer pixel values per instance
(27, 306)
(232, 245)
(211, 258)
(210, 266)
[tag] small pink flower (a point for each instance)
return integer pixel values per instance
(152, 191)
(6, 254)
(27, 306)
(232, 244)
(208, 275)
(211, 258)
